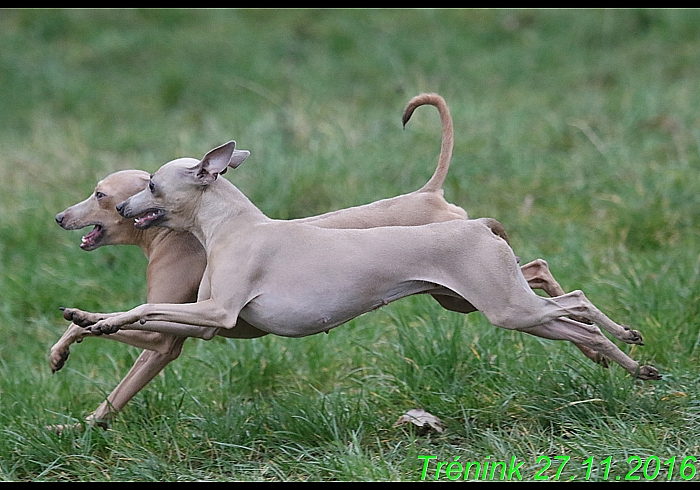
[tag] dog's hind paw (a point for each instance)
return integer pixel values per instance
(648, 373)
(632, 336)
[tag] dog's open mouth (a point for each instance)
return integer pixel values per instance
(149, 218)
(92, 239)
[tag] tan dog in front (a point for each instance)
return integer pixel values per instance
(170, 252)
(295, 279)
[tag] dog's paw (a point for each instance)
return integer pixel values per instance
(648, 373)
(79, 317)
(632, 336)
(58, 358)
(104, 327)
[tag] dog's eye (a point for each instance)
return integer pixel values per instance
(99, 195)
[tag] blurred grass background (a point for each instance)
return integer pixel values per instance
(577, 129)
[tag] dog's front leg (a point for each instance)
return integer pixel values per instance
(75, 334)
(205, 313)
(61, 349)
(159, 351)
(146, 367)
(83, 318)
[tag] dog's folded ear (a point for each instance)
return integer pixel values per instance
(217, 161)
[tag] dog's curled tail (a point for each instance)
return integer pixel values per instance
(438, 178)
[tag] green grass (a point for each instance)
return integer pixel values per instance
(576, 129)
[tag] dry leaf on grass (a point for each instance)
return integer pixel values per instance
(421, 418)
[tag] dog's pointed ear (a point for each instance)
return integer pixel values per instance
(238, 157)
(216, 161)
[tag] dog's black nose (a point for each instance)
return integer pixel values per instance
(59, 218)
(120, 207)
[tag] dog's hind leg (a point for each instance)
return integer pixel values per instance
(591, 337)
(576, 303)
(538, 276)
(520, 309)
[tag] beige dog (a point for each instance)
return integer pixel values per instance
(169, 251)
(176, 262)
(295, 279)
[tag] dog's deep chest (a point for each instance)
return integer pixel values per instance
(297, 315)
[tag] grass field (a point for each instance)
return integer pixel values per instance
(578, 130)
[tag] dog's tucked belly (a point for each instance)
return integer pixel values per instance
(291, 316)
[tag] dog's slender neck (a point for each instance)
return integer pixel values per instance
(147, 240)
(216, 207)
(152, 239)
